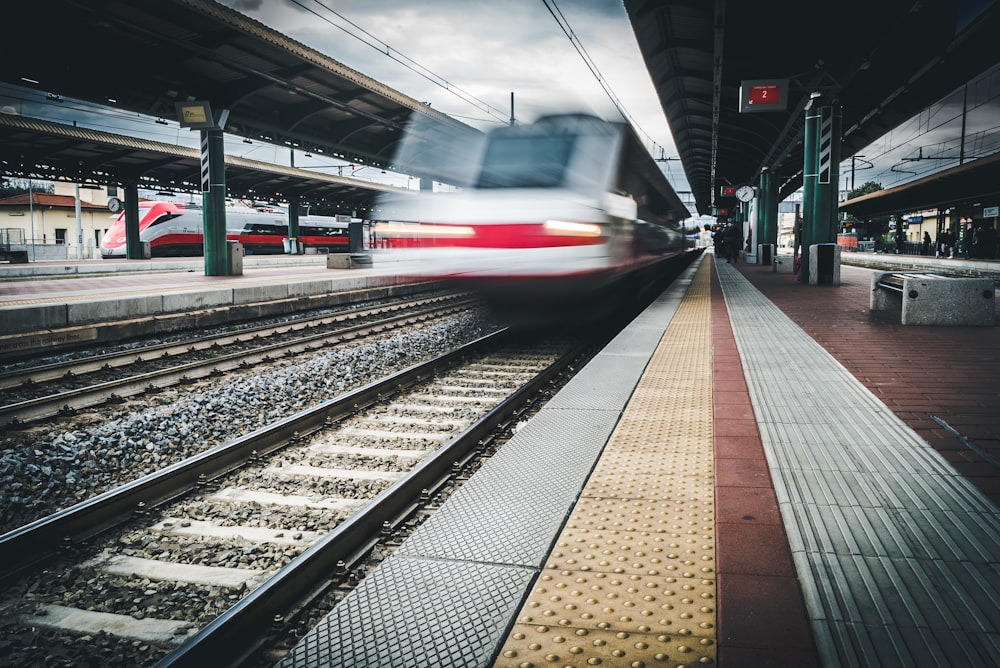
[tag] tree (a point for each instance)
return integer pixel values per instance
(10, 187)
(866, 189)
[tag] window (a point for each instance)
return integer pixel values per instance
(60, 236)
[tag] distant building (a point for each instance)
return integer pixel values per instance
(46, 226)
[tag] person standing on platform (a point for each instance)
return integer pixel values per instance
(925, 249)
(733, 240)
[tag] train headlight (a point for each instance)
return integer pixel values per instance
(430, 230)
(565, 227)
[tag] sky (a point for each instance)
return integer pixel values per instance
(466, 58)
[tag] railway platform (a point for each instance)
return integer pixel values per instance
(47, 305)
(754, 473)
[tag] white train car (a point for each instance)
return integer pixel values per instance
(175, 230)
(559, 210)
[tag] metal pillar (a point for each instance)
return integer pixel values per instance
(213, 187)
(820, 178)
(293, 227)
(768, 208)
(133, 246)
(809, 176)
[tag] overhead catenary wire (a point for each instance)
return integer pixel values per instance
(401, 58)
(567, 29)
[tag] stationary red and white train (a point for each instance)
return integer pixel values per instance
(564, 209)
(175, 230)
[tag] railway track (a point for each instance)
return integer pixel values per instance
(184, 565)
(35, 393)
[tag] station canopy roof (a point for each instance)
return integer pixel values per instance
(146, 57)
(880, 62)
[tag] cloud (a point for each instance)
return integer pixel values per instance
(462, 56)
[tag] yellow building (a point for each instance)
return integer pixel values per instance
(46, 225)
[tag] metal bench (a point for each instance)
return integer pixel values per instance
(933, 299)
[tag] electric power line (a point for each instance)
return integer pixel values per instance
(404, 60)
(588, 61)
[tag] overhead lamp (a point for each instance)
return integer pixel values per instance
(247, 141)
(161, 121)
(53, 97)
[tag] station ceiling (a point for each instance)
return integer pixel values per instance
(145, 57)
(37, 149)
(881, 62)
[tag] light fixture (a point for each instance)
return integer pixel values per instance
(53, 97)
(161, 121)
(247, 141)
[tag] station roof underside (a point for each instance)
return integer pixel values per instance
(148, 56)
(37, 149)
(880, 62)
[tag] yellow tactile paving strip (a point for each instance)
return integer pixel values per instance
(631, 579)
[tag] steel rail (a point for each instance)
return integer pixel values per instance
(38, 540)
(50, 372)
(94, 395)
(243, 629)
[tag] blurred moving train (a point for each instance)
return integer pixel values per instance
(175, 230)
(560, 211)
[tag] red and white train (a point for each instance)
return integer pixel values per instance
(175, 230)
(562, 210)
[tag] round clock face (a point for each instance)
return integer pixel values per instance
(744, 193)
(114, 205)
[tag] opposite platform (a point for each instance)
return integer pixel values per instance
(64, 303)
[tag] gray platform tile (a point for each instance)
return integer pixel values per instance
(606, 383)
(895, 533)
(949, 536)
(858, 645)
(415, 613)
(929, 492)
(511, 509)
(891, 489)
(879, 592)
(807, 447)
(977, 603)
(639, 342)
(821, 529)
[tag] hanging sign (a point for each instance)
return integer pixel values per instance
(763, 95)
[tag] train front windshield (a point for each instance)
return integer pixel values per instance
(578, 161)
(526, 162)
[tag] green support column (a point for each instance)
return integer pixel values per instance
(133, 245)
(827, 175)
(214, 203)
(293, 226)
(768, 204)
(820, 178)
(809, 158)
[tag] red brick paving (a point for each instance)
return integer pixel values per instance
(916, 370)
(761, 613)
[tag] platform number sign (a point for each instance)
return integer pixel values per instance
(763, 95)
